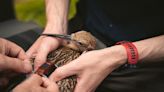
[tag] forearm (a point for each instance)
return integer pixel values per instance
(56, 12)
(151, 50)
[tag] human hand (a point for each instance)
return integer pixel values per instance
(41, 48)
(92, 67)
(11, 57)
(36, 84)
(11, 61)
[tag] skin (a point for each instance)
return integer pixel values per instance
(12, 61)
(11, 54)
(96, 64)
(45, 44)
(39, 84)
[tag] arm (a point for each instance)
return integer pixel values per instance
(100, 63)
(57, 14)
(151, 50)
(56, 11)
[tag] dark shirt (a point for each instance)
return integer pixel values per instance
(125, 19)
(132, 20)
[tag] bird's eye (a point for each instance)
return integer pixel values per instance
(80, 43)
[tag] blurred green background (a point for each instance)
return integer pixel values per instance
(34, 10)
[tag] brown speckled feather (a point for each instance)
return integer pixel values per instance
(61, 57)
(66, 54)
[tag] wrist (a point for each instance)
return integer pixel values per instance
(55, 28)
(118, 55)
(132, 52)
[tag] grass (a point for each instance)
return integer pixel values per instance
(34, 10)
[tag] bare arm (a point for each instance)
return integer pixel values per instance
(57, 12)
(151, 49)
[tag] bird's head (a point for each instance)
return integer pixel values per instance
(84, 41)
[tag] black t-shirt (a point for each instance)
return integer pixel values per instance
(132, 20)
(125, 19)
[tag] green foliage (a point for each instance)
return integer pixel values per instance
(34, 10)
(31, 11)
(72, 11)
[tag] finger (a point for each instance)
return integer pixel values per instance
(34, 79)
(14, 50)
(41, 55)
(44, 49)
(28, 65)
(34, 47)
(28, 87)
(8, 63)
(47, 82)
(65, 71)
(32, 84)
(50, 85)
(22, 55)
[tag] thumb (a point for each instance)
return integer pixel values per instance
(8, 63)
(35, 79)
(41, 55)
(32, 84)
(51, 86)
(33, 49)
(65, 71)
(46, 47)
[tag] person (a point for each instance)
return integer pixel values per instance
(111, 21)
(11, 61)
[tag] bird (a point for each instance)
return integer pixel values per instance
(65, 54)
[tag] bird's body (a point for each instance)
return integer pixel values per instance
(67, 53)
(62, 56)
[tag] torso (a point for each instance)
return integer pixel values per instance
(125, 19)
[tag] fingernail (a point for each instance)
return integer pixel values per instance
(44, 76)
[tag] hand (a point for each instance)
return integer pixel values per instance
(11, 61)
(36, 84)
(57, 19)
(11, 57)
(92, 67)
(41, 48)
